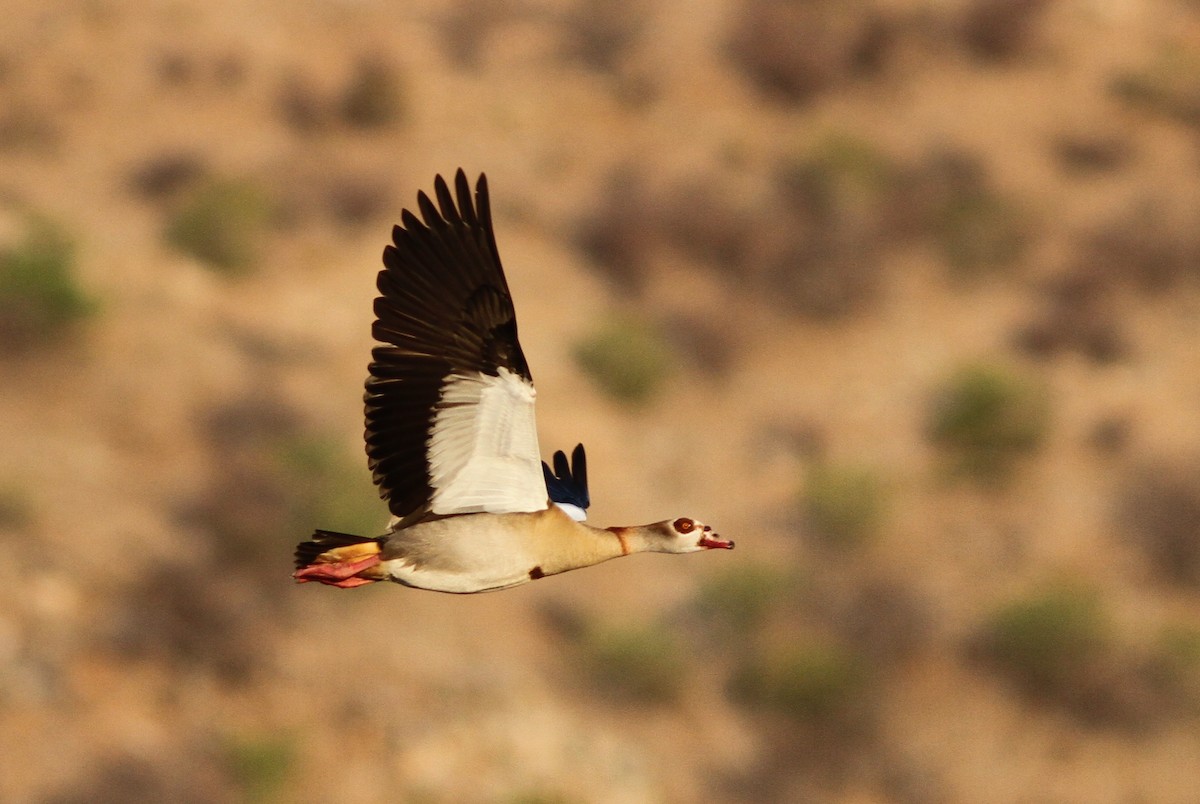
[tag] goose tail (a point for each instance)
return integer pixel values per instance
(338, 559)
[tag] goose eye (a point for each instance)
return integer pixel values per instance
(684, 525)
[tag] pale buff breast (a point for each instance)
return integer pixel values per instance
(480, 552)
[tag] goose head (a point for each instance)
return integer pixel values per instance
(682, 535)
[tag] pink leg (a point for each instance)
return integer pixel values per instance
(337, 574)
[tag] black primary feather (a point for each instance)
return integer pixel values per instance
(444, 309)
(568, 484)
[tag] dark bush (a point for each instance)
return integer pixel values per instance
(17, 509)
(704, 344)
(1110, 434)
(996, 30)
(166, 174)
(1159, 512)
(831, 227)
(1086, 152)
(1078, 314)
(696, 218)
(302, 105)
(883, 620)
(374, 97)
(1146, 246)
(621, 231)
(120, 779)
(195, 619)
(353, 200)
(793, 51)
(1169, 86)
(28, 126)
(599, 33)
(1174, 669)
(949, 198)
(465, 28)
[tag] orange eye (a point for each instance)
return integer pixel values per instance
(684, 525)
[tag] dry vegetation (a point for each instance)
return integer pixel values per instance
(900, 295)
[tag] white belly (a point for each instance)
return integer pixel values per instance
(451, 582)
(463, 554)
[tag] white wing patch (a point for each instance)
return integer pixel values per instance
(573, 511)
(483, 450)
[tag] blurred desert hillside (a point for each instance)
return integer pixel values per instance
(901, 295)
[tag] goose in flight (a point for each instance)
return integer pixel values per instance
(450, 431)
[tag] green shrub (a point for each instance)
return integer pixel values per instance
(335, 490)
(261, 765)
(1048, 641)
(1182, 643)
(742, 597)
(635, 662)
(985, 418)
(626, 358)
(843, 506)
(39, 295)
(841, 172)
(1056, 645)
(1176, 662)
(805, 681)
(222, 224)
(980, 232)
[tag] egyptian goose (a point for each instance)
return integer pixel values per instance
(451, 438)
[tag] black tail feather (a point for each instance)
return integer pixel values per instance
(322, 540)
(568, 483)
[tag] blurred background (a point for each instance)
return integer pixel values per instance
(902, 295)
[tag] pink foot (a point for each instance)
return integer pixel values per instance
(348, 583)
(341, 574)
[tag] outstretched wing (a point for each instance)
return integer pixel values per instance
(450, 400)
(567, 485)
